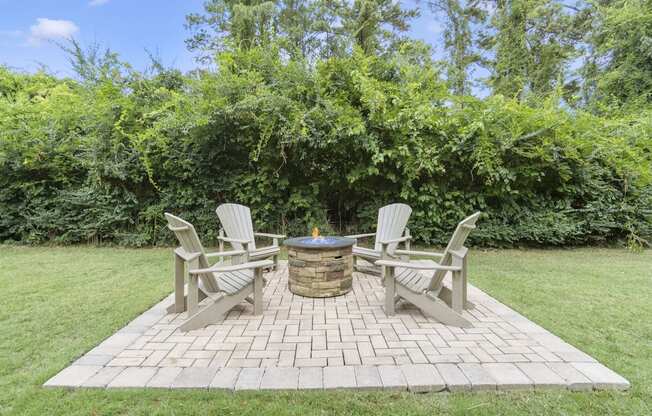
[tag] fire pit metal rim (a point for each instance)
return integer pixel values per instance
(332, 242)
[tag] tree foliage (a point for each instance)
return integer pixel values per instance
(619, 69)
(460, 16)
(533, 43)
(304, 29)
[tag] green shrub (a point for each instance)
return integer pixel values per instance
(303, 145)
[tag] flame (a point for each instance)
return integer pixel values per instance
(315, 232)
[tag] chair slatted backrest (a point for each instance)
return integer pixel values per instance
(236, 222)
(392, 220)
(456, 243)
(189, 241)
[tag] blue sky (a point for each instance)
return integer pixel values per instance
(29, 27)
(126, 26)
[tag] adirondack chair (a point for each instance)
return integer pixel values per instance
(421, 282)
(224, 285)
(236, 222)
(390, 231)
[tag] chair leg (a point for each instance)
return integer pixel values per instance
(179, 284)
(258, 291)
(390, 290)
(172, 308)
(446, 295)
(397, 299)
(193, 295)
(465, 283)
(458, 292)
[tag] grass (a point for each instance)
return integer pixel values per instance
(58, 303)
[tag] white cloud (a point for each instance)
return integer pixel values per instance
(94, 3)
(45, 29)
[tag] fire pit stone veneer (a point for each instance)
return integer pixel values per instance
(320, 267)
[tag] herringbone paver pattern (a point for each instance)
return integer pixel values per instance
(337, 340)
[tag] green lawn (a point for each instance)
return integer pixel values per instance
(58, 303)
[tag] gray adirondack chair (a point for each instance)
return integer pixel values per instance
(236, 222)
(390, 231)
(225, 285)
(421, 282)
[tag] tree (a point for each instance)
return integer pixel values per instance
(458, 39)
(92, 64)
(304, 28)
(375, 24)
(619, 68)
(533, 43)
(242, 23)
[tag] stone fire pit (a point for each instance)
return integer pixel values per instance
(320, 267)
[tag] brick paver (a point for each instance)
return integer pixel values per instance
(478, 377)
(339, 377)
(508, 376)
(133, 377)
(454, 377)
(542, 376)
(575, 380)
(164, 377)
(103, 377)
(341, 342)
(368, 378)
(249, 379)
(73, 376)
(422, 378)
(194, 377)
(225, 379)
(311, 378)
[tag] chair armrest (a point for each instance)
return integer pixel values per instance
(233, 240)
(356, 236)
(461, 253)
(419, 253)
(175, 229)
(255, 252)
(235, 267)
(226, 253)
(415, 266)
(396, 240)
(179, 251)
(269, 235)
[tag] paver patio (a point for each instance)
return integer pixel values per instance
(345, 342)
